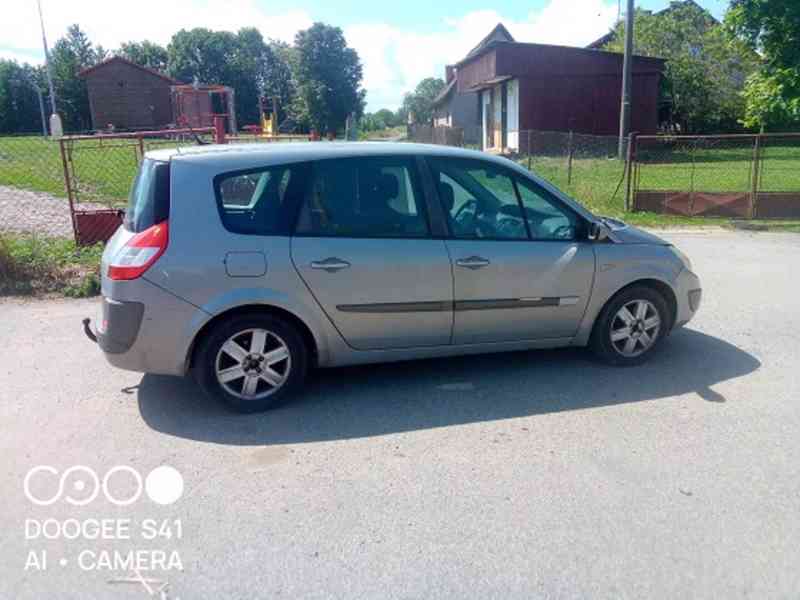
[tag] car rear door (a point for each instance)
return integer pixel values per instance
(362, 245)
(520, 268)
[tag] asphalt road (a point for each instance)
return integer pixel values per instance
(537, 474)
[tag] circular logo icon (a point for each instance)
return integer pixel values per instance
(164, 485)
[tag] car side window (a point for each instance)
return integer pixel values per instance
(478, 199)
(364, 197)
(255, 202)
(547, 219)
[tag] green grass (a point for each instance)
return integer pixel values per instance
(720, 170)
(31, 163)
(383, 134)
(598, 185)
(594, 181)
(103, 169)
(36, 265)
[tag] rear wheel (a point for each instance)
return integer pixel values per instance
(252, 363)
(631, 326)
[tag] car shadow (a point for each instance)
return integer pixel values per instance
(363, 401)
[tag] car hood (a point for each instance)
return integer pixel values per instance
(622, 233)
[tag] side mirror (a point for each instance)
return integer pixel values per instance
(597, 231)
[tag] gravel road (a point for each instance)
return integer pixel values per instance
(23, 211)
(534, 474)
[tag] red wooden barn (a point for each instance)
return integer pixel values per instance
(541, 87)
(125, 95)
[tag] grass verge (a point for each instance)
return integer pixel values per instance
(597, 184)
(33, 265)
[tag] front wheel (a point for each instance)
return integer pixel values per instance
(252, 363)
(631, 326)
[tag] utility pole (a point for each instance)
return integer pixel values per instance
(627, 65)
(42, 114)
(48, 70)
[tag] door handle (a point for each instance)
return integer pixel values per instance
(473, 262)
(331, 264)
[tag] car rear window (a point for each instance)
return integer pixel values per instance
(148, 202)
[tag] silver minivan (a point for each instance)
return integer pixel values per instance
(250, 265)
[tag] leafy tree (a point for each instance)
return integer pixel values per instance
(19, 103)
(145, 53)
(277, 79)
(328, 75)
(247, 66)
(388, 118)
(704, 69)
(243, 61)
(100, 53)
(401, 116)
(202, 54)
(772, 100)
(419, 103)
(71, 54)
(382, 119)
(371, 122)
(771, 27)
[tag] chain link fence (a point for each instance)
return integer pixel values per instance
(585, 166)
(740, 176)
(737, 176)
(33, 197)
(75, 186)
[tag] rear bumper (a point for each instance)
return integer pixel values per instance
(689, 294)
(117, 325)
(144, 328)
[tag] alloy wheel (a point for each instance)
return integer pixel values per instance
(635, 328)
(253, 364)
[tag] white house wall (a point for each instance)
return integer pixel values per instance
(484, 109)
(512, 114)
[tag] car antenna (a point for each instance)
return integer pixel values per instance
(200, 141)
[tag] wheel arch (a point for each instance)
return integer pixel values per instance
(600, 300)
(663, 288)
(257, 309)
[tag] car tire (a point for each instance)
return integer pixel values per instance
(246, 379)
(631, 326)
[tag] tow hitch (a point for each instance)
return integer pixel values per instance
(87, 329)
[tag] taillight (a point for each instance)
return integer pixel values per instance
(139, 254)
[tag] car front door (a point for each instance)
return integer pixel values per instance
(520, 268)
(362, 244)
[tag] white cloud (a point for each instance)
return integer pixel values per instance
(33, 58)
(111, 22)
(394, 58)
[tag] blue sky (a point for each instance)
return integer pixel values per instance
(427, 15)
(399, 43)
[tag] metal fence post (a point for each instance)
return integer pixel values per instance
(529, 149)
(219, 129)
(754, 180)
(628, 168)
(570, 150)
(68, 187)
(691, 178)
